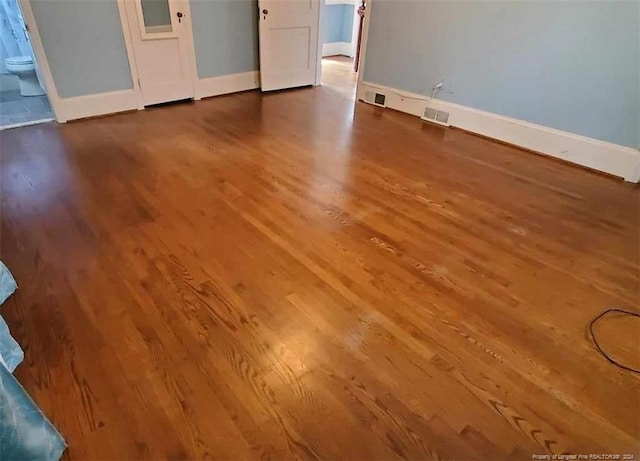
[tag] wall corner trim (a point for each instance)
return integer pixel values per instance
(337, 48)
(599, 155)
(224, 84)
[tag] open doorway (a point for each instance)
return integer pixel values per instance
(341, 38)
(23, 99)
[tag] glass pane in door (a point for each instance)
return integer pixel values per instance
(156, 16)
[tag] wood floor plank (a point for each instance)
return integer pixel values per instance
(290, 276)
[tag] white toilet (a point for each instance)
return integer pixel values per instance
(24, 68)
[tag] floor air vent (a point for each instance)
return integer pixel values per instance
(377, 99)
(436, 116)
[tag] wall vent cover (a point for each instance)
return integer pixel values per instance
(436, 116)
(377, 99)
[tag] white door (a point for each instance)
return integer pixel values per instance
(163, 47)
(289, 31)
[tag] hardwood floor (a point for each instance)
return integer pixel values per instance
(282, 276)
(338, 75)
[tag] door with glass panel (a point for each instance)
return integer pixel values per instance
(162, 44)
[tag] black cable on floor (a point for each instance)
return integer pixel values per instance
(595, 340)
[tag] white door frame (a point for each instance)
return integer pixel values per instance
(320, 42)
(41, 59)
(363, 47)
(126, 30)
(128, 44)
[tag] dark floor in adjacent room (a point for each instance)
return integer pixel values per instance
(16, 109)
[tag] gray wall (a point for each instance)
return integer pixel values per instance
(225, 33)
(570, 65)
(84, 44)
(337, 23)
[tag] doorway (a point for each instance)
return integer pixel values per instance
(310, 43)
(23, 98)
(342, 33)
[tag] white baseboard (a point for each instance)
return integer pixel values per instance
(124, 100)
(337, 48)
(29, 123)
(96, 104)
(214, 86)
(600, 155)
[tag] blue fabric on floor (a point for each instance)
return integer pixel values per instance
(10, 351)
(25, 433)
(7, 283)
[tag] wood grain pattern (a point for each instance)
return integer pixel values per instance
(284, 277)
